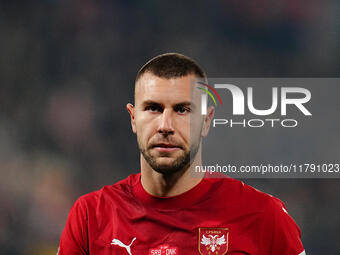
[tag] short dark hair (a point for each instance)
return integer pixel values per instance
(171, 65)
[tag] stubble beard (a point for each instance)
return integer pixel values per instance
(180, 163)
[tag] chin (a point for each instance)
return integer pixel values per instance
(164, 167)
(167, 164)
(166, 170)
(169, 167)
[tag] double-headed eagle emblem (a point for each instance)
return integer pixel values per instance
(213, 241)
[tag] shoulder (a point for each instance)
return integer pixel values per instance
(279, 234)
(237, 192)
(252, 198)
(115, 193)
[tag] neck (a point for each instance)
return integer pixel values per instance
(166, 185)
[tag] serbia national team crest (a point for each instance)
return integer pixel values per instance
(213, 241)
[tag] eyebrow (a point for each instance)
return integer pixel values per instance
(184, 103)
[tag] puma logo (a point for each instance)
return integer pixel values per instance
(119, 243)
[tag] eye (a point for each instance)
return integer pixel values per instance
(182, 109)
(153, 108)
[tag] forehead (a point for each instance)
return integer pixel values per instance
(151, 87)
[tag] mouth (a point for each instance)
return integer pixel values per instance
(166, 147)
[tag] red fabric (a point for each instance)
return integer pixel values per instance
(257, 222)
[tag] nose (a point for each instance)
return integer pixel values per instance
(166, 125)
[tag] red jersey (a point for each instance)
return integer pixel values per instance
(216, 217)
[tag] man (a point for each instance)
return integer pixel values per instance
(164, 210)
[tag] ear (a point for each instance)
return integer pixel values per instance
(207, 121)
(131, 109)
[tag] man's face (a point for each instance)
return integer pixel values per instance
(161, 119)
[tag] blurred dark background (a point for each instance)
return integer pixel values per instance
(67, 70)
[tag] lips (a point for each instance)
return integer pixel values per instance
(166, 147)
